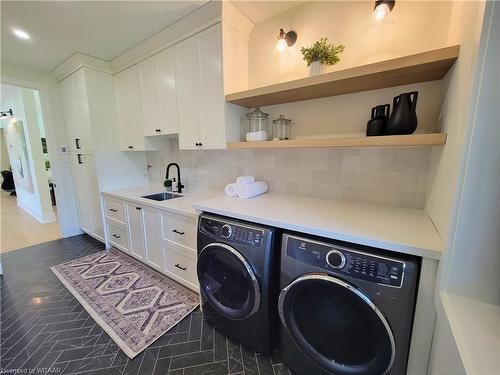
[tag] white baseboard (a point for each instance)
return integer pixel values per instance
(44, 218)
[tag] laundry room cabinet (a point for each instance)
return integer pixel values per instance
(205, 120)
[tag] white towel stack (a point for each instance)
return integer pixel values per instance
(246, 187)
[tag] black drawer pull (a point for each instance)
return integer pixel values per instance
(176, 231)
(158, 130)
(130, 146)
(138, 208)
(116, 236)
(182, 268)
(77, 143)
(113, 209)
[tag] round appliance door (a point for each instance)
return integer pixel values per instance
(337, 326)
(228, 281)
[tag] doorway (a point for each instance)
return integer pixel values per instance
(28, 201)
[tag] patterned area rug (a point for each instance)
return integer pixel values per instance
(133, 303)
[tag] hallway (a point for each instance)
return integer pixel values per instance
(18, 229)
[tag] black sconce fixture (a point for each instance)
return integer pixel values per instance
(382, 8)
(5, 114)
(286, 39)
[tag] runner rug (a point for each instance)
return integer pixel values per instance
(133, 303)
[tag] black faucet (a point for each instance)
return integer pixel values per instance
(179, 185)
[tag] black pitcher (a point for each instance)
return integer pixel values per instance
(403, 119)
(376, 125)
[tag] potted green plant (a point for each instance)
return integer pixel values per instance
(320, 55)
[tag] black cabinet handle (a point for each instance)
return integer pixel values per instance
(138, 208)
(77, 143)
(176, 231)
(196, 144)
(158, 130)
(116, 236)
(130, 146)
(201, 144)
(181, 268)
(113, 209)
(79, 158)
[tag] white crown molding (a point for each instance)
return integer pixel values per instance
(79, 60)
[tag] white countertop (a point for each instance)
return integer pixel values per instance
(403, 230)
(182, 205)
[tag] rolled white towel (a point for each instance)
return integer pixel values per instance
(252, 190)
(231, 190)
(245, 180)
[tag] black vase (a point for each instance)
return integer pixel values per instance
(376, 125)
(403, 119)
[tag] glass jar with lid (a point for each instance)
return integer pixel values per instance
(282, 130)
(257, 126)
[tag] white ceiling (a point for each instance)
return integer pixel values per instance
(103, 29)
(259, 11)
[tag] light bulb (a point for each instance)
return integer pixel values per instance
(381, 11)
(281, 44)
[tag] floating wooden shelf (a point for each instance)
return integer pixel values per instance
(421, 67)
(431, 139)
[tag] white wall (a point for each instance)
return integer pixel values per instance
(4, 155)
(56, 138)
(420, 26)
(37, 202)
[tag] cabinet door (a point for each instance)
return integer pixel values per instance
(186, 61)
(93, 197)
(81, 190)
(165, 68)
(135, 107)
(149, 96)
(136, 230)
(83, 136)
(154, 254)
(211, 89)
(67, 97)
(121, 88)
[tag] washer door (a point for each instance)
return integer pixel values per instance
(337, 326)
(228, 281)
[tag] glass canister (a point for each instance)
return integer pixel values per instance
(282, 128)
(257, 126)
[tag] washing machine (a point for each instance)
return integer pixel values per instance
(345, 309)
(238, 275)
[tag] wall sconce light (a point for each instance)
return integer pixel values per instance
(286, 39)
(5, 114)
(382, 9)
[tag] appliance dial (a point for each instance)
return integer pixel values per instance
(335, 259)
(226, 231)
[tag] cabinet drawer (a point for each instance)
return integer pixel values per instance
(179, 229)
(118, 236)
(182, 266)
(115, 210)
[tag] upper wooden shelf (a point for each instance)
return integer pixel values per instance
(413, 140)
(421, 67)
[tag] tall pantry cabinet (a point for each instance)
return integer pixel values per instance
(78, 118)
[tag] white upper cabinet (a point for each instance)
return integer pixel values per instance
(76, 112)
(167, 95)
(149, 97)
(205, 120)
(129, 107)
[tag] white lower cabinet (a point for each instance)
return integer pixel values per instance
(161, 239)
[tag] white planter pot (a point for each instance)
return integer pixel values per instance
(316, 68)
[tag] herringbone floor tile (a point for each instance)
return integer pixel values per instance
(44, 328)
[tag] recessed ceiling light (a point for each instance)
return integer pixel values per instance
(21, 34)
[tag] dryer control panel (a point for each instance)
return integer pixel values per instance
(348, 262)
(232, 233)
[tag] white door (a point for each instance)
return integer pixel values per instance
(165, 68)
(149, 97)
(135, 107)
(211, 89)
(121, 88)
(93, 196)
(68, 97)
(136, 230)
(186, 61)
(152, 227)
(82, 113)
(81, 189)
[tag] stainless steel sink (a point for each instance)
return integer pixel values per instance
(161, 196)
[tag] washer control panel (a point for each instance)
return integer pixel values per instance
(233, 233)
(352, 263)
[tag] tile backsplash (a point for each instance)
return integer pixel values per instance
(386, 176)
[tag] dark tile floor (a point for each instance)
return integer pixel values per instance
(44, 328)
